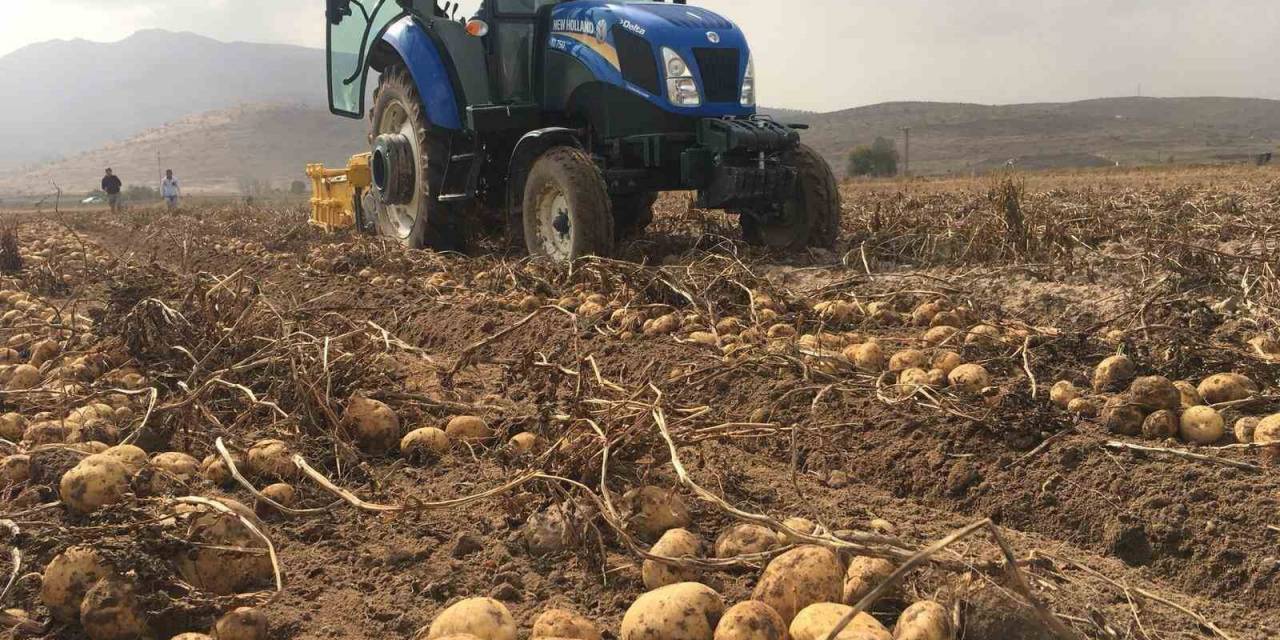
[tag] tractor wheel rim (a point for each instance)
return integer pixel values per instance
(401, 217)
(556, 227)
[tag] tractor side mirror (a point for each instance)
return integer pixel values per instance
(336, 10)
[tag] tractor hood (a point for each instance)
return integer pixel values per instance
(625, 43)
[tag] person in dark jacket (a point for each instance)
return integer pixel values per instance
(111, 186)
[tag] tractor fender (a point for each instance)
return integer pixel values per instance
(427, 66)
(530, 147)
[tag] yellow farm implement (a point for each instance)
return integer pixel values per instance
(336, 193)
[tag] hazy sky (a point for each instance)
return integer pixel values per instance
(830, 54)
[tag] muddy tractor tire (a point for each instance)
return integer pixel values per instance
(420, 221)
(810, 217)
(567, 210)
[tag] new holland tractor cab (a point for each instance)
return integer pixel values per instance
(569, 117)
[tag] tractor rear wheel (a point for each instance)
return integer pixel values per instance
(810, 217)
(632, 214)
(567, 212)
(422, 222)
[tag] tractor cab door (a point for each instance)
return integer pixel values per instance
(354, 26)
(511, 44)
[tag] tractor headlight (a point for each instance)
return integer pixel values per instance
(682, 89)
(749, 84)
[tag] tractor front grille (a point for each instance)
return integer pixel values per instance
(639, 64)
(721, 73)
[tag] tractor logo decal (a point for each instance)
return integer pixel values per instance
(713, 37)
(597, 45)
(602, 28)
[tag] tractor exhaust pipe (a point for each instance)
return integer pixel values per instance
(394, 168)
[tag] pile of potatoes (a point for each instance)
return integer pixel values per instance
(80, 586)
(62, 253)
(695, 611)
(1155, 407)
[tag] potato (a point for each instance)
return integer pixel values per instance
(662, 325)
(1160, 425)
(1267, 434)
(523, 443)
(110, 611)
(1121, 416)
(1202, 425)
(969, 378)
(984, 335)
(132, 457)
(1245, 428)
(1155, 393)
(924, 620)
(868, 357)
(1063, 392)
(271, 459)
(45, 432)
(912, 380)
(23, 377)
(244, 623)
(427, 443)
(468, 428)
(1083, 407)
(484, 618)
(745, 539)
(373, 425)
(780, 330)
(97, 481)
(213, 562)
(191, 635)
(939, 335)
(68, 577)
(15, 469)
(923, 314)
(559, 623)
(282, 493)
(947, 361)
(817, 621)
(1226, 387)
(650, 511)
(1190, 395)
(177, 464)
(684, 611)
(799, 578)
(1113, 373)
(12, 426)
(751, 620)
(215, 470)
(863, 575)
(799, 525)
(1266, 347)
(675, 543)
(837, 311)
(908, 359)
(591, 309)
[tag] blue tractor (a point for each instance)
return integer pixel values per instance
(566, 119)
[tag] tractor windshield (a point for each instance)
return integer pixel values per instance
(354, 27)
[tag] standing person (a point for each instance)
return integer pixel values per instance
(111, 186)
(169, 189)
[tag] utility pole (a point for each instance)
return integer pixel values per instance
(906, 164)
(159, 167)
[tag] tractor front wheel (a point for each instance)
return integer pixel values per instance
(567, 212)
(809, 218)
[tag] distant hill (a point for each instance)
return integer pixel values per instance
(66, 96)
(216, 152)
(960, 138)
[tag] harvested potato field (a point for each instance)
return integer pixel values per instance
(1015, 407)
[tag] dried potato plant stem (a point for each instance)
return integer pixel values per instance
(253, 528)
(244, 482)
(15, 558)
(1198, 457)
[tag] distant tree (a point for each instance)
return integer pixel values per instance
(878, 160)
(298, 188)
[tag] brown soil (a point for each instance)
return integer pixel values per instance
(1109, 539)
